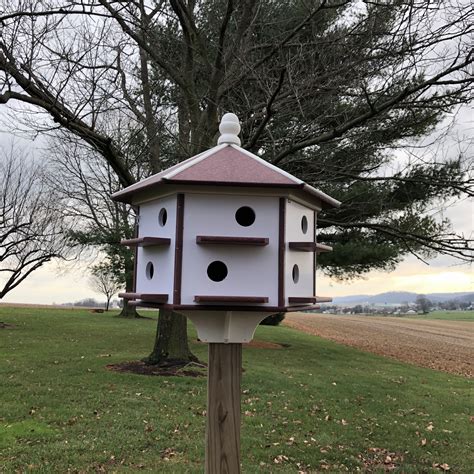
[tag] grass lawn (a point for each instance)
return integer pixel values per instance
(312, 406)
(446, 315)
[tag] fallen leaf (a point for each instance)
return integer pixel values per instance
(444, 466)
(281, 458)
(167, 454)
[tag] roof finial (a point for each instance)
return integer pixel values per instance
(229, 128)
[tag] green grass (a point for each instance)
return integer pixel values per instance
(446, 315)
(311, 406)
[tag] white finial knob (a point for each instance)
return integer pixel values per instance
(230, 129)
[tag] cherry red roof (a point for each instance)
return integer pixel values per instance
(226, 164)
(230, 165)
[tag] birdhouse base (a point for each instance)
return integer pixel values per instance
(225, 326)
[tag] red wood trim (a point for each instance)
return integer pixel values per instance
(178, 254)
(309, 299)
(135, 250)
(309, 247)
(323, 299)
(146, 241)
(221, 183)
(228, 307)
(320, 248)
(281, 252)
(153, 297)
(302, 299)
(230, 299)
(221, 240)
(315, 216)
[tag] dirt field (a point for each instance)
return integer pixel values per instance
(440, 345)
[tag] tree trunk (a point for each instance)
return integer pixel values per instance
(171, 341)
(127, 310)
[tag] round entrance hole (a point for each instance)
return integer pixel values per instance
(217, 271)
(150, 270)
(245, 216)
(304, 224)
(295, 273)
(163, 217)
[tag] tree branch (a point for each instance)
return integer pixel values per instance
(39, 95)
(372, 112)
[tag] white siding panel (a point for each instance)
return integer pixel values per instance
(162, 257)
(304, 260)
(252, 271)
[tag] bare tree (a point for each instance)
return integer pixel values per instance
(84, 183)
(104, 281)
(31, 223)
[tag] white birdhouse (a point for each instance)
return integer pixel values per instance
(226, 238)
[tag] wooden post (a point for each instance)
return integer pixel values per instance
(223, 409)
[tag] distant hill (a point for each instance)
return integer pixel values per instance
(400, 297)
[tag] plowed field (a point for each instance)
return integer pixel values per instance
(440, 345)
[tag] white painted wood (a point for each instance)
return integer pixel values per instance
(162, 257)
(230, 129)
(225, 326)
(304, 260)
(252, 271)
(294, 214)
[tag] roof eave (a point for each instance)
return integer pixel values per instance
(232, 183)
(123, 196)
(327, 201)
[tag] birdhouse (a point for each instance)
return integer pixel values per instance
(225, 238)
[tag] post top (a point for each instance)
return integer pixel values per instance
(230, 129)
